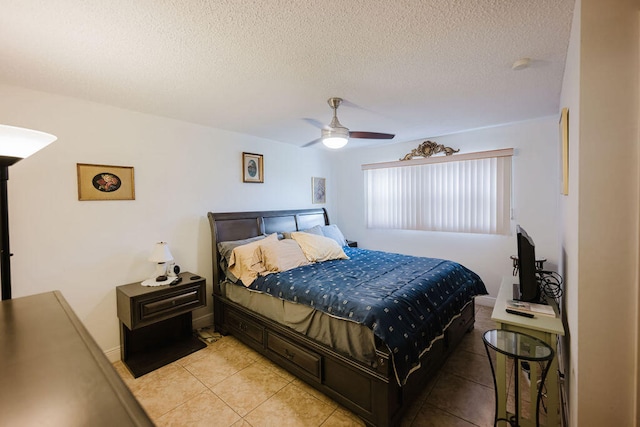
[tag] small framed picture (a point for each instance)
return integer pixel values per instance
(318, 190)
(564, 138)
(252, 167)
(105, 182)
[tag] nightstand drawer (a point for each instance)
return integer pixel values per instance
(302, 358)
(140, 306)
(186, 299)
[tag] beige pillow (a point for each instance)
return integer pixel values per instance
(281, 255)
(318, 248)
(245, 262)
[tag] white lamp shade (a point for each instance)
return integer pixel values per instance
(160, 253)
(20, 143)
(335, 137)
(335, 142)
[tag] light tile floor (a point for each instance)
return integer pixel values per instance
(228, 384)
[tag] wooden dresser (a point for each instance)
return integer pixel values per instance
(52, 373)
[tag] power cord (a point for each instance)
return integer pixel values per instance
(550, 283)
(526, 369)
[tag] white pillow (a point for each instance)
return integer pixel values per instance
(245, 262)
(316, 229)
(318, 248)
(282, 255)
(333, 232)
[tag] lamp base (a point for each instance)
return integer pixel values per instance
(161, 270)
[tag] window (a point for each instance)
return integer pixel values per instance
(466, 193)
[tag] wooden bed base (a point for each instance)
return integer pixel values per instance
(370, 392)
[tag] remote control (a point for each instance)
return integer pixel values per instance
(519, 313)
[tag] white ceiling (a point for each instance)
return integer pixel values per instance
(416, 68)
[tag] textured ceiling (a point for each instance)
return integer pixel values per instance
(266, 67)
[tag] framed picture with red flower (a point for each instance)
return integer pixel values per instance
(105, 182)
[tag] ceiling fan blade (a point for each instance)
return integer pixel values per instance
(370, 135)
(310, 143)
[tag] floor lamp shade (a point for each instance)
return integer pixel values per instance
(19, 143)
(15, 145)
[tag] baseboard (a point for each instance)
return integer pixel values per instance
(201, 322)
(564, 397)
(485, 300)
(113, 354)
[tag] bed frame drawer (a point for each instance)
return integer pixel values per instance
(460, 325)
(370, 391)
(304, 359)
(245, 327)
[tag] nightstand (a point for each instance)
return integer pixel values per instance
(352, 244)
(155, 322)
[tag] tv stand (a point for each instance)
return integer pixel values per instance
(545, 328)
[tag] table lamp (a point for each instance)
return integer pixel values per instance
(160, 255)
(15, 144)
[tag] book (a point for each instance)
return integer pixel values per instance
(530, 307)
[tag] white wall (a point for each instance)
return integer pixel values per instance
(570, 219)
(182, 171)
(536, 184)
(600, 215)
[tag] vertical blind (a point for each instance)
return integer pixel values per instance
(468, 193)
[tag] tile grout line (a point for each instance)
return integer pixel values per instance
(257, 362)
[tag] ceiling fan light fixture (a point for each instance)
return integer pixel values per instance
(335, 137)
(335, 142)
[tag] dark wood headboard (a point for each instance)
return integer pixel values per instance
(242, 225)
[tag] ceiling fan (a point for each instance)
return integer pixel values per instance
(336, 136)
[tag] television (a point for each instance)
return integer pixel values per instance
(528, 289)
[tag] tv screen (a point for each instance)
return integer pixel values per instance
(528, 290)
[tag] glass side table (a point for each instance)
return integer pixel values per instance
(519, 347)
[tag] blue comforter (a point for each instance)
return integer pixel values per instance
(407, 301)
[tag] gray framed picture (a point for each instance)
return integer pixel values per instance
(252, 168)
(318, 190)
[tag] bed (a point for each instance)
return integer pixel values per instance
(372, 353)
